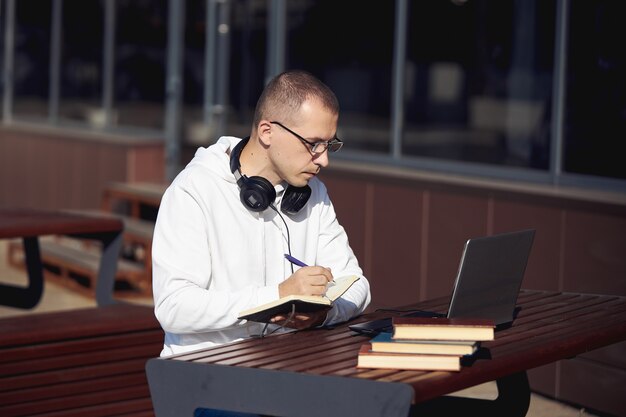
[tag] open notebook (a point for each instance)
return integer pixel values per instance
(488, 281)
(300, 303)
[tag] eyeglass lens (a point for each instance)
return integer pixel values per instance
(332, 146)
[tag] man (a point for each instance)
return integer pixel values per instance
(227, 220)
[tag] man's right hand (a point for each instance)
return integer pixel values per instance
(308, 280)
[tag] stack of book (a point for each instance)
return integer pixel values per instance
(418, 343)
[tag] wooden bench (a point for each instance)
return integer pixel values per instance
(137, 245)
(135, 194)
(76, 267)
(84, 362)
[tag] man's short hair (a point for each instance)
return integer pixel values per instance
(285, 93)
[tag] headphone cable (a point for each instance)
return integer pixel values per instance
(287, 229)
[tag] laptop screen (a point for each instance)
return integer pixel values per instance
(490, 275)
(488, 281)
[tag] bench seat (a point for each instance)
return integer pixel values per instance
(83, 362)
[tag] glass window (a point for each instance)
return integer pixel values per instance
(31, 74)
(595, 109)
(3, 12)
(479, 81)
(353, 56)
(240, 29)
(248, 46)
(194, 73)
(478, 75)
(81, 61)
(140, 62)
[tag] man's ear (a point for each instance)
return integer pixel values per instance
(264, 131)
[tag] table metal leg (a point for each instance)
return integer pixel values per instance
(29, 296)
(513, 401)
(105, 285)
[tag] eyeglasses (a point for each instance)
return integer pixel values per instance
(317, 148)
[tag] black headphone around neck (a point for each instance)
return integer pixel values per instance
(257, 193)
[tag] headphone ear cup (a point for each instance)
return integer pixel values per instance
(294, 199)
(256, 193)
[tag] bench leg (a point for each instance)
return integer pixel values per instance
(513, 401)
(26, 297)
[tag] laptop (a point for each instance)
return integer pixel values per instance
(488, 281)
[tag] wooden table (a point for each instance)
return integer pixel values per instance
(30, 224)
(313, 373)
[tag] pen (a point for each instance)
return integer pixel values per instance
(298, 262)
(294, 260)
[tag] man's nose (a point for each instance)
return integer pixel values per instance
(321, 159)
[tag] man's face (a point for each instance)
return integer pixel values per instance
(292, 159)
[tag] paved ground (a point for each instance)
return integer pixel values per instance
(59, 298)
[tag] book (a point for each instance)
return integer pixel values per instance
(443, 328)
(300, 303)
(389, 360)
(383, 342)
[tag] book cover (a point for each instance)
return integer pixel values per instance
(386, 360)
(300, 303)
(443, 328)
(383, 342)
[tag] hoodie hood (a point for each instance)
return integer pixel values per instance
(216, 158)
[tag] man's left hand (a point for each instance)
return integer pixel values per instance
(300, 320)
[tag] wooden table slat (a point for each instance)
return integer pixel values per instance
(260, 357)
(340, 354)
(533, 327)
(575, 335)
(18, 223)
(540, 305)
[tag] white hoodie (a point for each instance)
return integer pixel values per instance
(212, 257)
